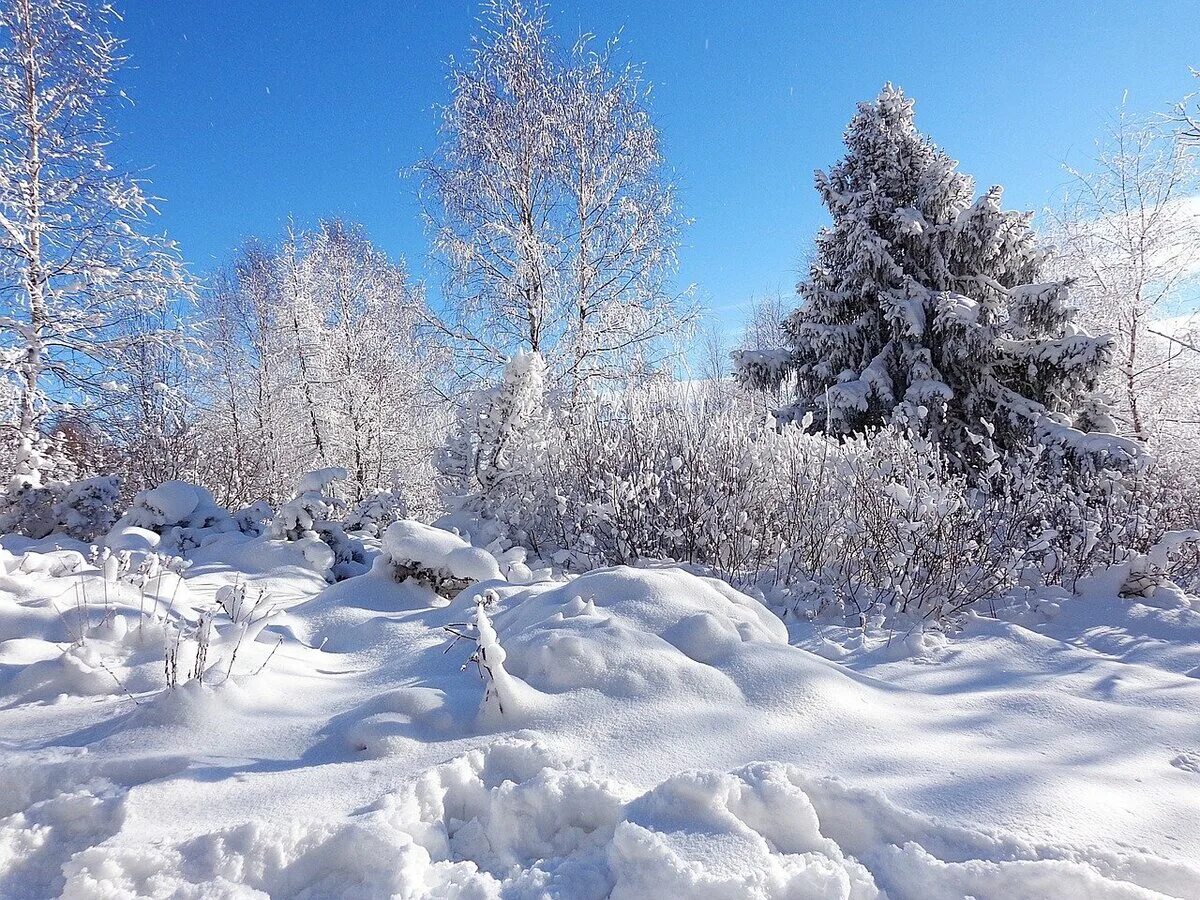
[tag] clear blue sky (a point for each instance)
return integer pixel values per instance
(246, 112)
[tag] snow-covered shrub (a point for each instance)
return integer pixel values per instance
(42, 498)
(497, 444)
(1110, 519)
(823, 525)
(183, 515)
(374, 513)
(311, 504)
(27, 505)
(253, 519)
(87, 509)
(653, 474)
(436, 557)
(28, 509)
(308, 519)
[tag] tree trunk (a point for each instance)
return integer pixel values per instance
(35, 278)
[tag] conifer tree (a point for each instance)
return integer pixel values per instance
(925, 306)
(497, 440)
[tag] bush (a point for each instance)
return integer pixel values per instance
(83, 509)
(183, 515)
(308, 519)
(823, 525)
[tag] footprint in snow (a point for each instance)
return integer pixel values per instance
(1188, 762)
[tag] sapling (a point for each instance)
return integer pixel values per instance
(177, 565)
(216, 647)
(489, 656)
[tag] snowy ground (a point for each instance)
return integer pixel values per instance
(661, 735)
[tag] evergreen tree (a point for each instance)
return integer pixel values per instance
(497, 441)
(924, 306)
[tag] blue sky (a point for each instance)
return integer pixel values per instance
(246, 112)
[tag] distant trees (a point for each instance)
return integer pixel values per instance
(925, 306)
(316, 359)
(550, 205)
(85, 290)
(1129, 231)
(764, 328)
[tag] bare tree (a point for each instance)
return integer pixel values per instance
(301, 311)
(550, 206)
(622, 225)
(80, 277)
(764, 325)
(1187, 119)
(1129, 232)
(380, 365)
(711, 354)
(238, 375)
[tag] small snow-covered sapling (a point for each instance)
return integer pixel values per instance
(489, 656)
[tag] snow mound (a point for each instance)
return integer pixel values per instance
(413, 548)
(515, 819)
(634, 632)
(173, 501)
(320, 480)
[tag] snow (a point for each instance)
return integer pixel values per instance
(411, 543)
(172, 501)
(175, 516)
(320, 480)
(662, 734)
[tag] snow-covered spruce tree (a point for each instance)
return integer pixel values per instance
(77, 265)
(496, 443)
(925, 306)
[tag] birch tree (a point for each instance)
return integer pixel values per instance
(551, 207)
(80, 272)
(319, 357)
(300, 314)
(242, 433)
(1129, 230)
(380, 365)
(1187, 118)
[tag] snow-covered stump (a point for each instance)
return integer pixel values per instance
(440, 559)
